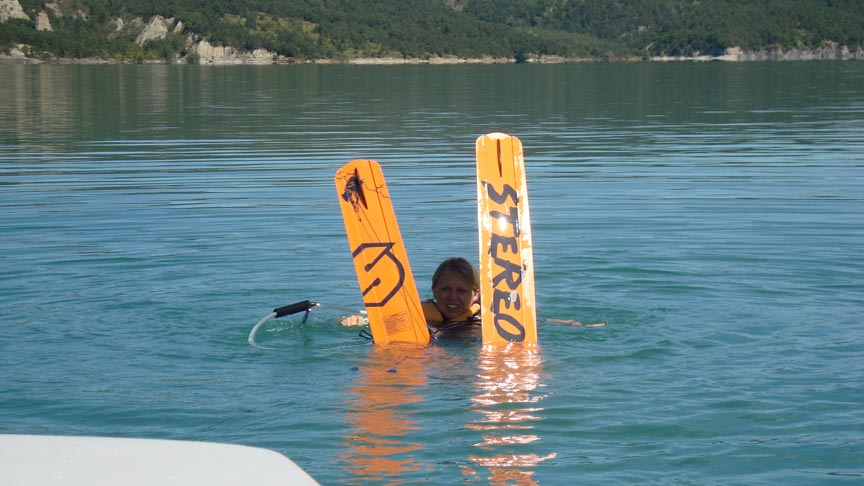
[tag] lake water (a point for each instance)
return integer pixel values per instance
(709, 214)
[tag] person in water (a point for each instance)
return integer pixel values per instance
(455, 306)
(455, 302)
(455, 297)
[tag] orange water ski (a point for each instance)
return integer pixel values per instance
(385, 278)
(506, 260)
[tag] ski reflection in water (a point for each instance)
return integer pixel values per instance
(379, 412)
(509, 406)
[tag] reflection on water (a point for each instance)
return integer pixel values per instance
(382, 443)
(508, 402)
(379, 413)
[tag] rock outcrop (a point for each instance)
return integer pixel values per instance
(11, 9)
(826, 53)
(43, 23)
(158, 28)
(210, 54)
(736, 54)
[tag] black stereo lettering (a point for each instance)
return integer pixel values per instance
(510, 272)
(500, 198)
(503, 297)
(512, 218)
(512, 323)
(507, 244)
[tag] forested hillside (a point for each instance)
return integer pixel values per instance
(686, 27)
(418, 29)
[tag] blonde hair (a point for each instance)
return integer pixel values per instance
(459, 267)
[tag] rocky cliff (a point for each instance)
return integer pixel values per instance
(11, 9)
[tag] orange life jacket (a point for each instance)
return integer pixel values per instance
(434, 316)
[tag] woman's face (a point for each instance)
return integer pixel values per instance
(453, 295)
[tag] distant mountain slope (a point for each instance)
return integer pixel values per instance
(519, 30)
(671, 27)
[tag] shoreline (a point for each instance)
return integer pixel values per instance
(16, 56)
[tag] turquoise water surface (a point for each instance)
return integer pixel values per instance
(709, 214)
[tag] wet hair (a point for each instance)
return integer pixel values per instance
(459, 267)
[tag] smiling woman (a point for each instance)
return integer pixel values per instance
(455, 302)
(455, 291)
(455, 305)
